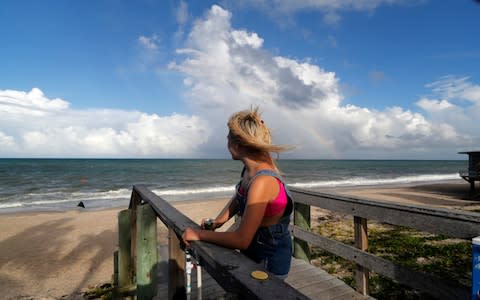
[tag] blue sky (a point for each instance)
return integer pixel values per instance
(364, 79)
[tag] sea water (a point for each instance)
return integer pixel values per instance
(60, 184)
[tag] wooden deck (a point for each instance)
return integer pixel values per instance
(232, 270)
(311, 281)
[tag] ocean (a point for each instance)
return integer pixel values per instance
(60, 184)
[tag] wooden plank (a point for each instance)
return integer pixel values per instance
(361, 242)
(124, 249)
(318, 284)
(301, 283)
(314, 281)
(325, 291)
(147, 258)
(228, 267)
(299, 275)
(300, 279)
(134, 202)
(433, 285)
(451, 222)
(301, 218)
(342, 293)
(176, 266)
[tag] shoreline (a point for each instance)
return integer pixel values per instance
(52, 254)
(342, 189)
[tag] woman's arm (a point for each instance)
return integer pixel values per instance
(226, 213)
(261, 191)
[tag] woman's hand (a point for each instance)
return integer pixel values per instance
(210, 224)
(190, 235)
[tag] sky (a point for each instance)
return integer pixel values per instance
(338, 79)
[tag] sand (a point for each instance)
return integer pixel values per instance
(53, 255)
(61, 254)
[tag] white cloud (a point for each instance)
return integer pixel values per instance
(29, 103)
(33, 125)
(302, 101)
(227, 69)
(182, 13)
(459, 88)
(244, 38)
(150, 43)
(456, 101)
(182, 17)
(434, 105)
(7, 142)
(331, 18)
(330, 8)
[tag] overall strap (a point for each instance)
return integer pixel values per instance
(264, 172)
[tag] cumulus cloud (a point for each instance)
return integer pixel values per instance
(34, 125)
(31, 103)
(434, 105)
(223, 63)
(227, 69)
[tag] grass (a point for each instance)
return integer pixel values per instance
(434, 254)
(102, 291)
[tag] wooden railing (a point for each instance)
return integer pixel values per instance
(136, 260)
(449, 222)
(137, 255)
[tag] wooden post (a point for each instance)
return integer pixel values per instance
(133, 236)
(147, 254)
(124, 240)
(361, 242)
(176, 267)
(301, 218)
(115, 271)
(475, 267)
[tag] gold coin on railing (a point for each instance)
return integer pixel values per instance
(259, 275)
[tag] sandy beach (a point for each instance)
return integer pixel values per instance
(50, 255)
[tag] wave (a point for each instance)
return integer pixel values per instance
(207, 190)
(115, 197)
(29, 200)
(363, 181)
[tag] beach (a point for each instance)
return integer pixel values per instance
(50, 255)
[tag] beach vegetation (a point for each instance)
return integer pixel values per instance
(438, 255)
(101, 291)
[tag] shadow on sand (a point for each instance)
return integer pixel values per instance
(46, 251)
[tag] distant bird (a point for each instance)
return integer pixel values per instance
(80, 204)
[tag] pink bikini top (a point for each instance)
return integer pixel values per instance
(278, 204)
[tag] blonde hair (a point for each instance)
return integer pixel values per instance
(249, 130)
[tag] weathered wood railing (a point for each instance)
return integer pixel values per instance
(137, 260)
(449, 222)
(137, 255)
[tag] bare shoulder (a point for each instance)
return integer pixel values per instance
(265, 184)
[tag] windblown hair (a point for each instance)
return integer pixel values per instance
(249, 130)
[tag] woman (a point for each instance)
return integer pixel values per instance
(261, 199)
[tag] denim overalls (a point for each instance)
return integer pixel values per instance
(271, 245)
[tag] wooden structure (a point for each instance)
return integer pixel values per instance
(473, 173)
(231, 270)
